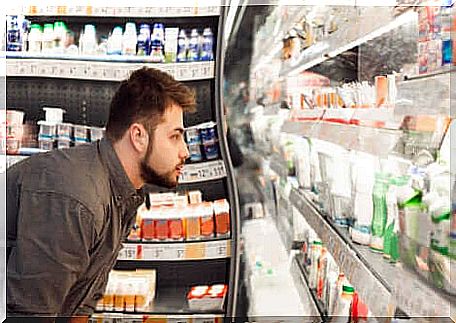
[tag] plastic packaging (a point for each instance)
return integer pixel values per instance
(380, 212)
(182, 46)
(129, 39)
(192, 223)
(176, 223)
(115, 41)
(54, 115)
(47, 43)
(157, 43)
(14, 36)
(207, 220)
(207, 53)
(194, 47)
(143, 45)
(222, 217)
(315, 252)
(89, 40)
(342, 311)
(80, 133)
(171, 40)
(60, 35)
(35, 38)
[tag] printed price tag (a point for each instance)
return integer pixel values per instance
(128, 252)
(218, 249)
(183, 73)
(153, 252)
(195, 251)
(204, 320)
(171, 319)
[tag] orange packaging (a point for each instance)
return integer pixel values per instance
(381, 87)
(222, 217)
(161, 229)
(175, 223)
(207, 220)
(119, 302)
(192, 223)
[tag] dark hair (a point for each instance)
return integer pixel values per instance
(144, 98)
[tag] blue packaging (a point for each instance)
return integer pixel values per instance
(194, 47)
(208, 134)
(193, 136)
(447, 52)
(207, 53)
(182, 46)
(143, 44)
(157, 43)
(211, 151)
(195, 152)
(14, 39)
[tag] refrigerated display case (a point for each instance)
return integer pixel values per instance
(355, 136)
(81, 80)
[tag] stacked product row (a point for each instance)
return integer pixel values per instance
(159, 43)
(130, 291)
(135, 291)
(313, 91)
(173, 217)
(202, 142)
(52, 132)
(399, 209)
(336, 296)
(436, 47)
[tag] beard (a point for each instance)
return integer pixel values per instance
(150, 176)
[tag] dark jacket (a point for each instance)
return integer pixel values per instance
(67, 213)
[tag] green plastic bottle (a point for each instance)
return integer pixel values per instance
(380, 212)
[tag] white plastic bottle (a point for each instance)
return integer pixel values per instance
(35, 38)
(47, 43)
(342, 311)
(89, 40)
(60, 35)
(129, 39)
(115, 42)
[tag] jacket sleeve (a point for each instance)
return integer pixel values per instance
(52, 250)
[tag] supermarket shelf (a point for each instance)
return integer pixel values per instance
(168, 301)
(302, 275)
(375, 294)
(390, 286)
(376, 141)
(140, 318)
(176, 251)
(189, 10)
(293, 16)
(101, 67)
(361, 29)
(443, 70)
(206, 171)
(435, 96)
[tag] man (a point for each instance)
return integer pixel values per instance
(68, 211)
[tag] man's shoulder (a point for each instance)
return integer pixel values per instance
(76, 172)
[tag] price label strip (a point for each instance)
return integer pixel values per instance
(176, 251)
(128, 252)
(203, 172)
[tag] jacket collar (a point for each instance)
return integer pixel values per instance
(122, 186)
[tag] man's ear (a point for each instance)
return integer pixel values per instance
(139, 137)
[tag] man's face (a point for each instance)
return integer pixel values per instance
(167, 151)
